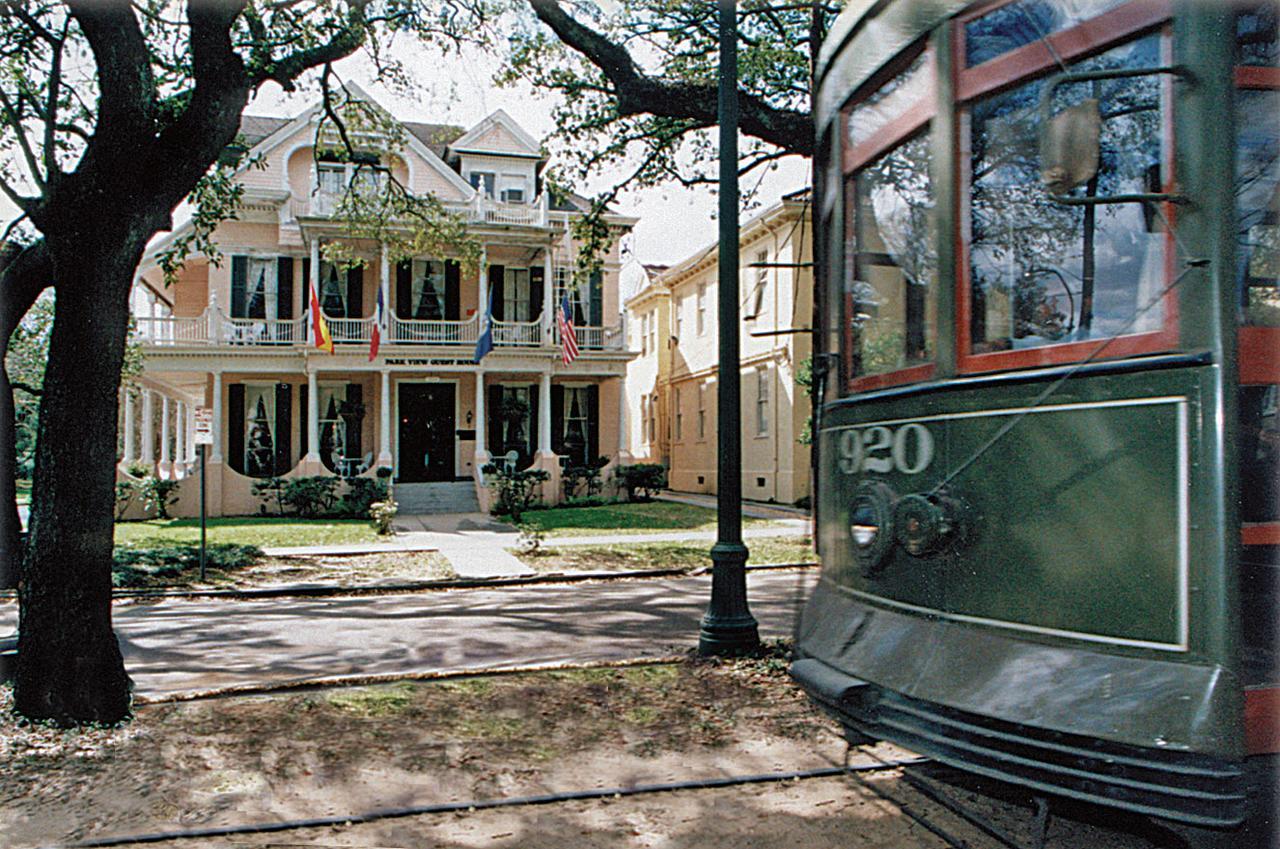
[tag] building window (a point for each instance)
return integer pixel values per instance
(516, 294)
(653, 418)
(762, 402)
(259, 430)
(644, 334)
(677, 414)
(332, 427)
(513, 188)
(702, 308)
(678, 310)
(333, 290)
(644, 419)
(702, 411)
(484, 181)
(260, 299)
(653, 331)
(427, 290)
(563, 275)
(761, 281)
(575, 424)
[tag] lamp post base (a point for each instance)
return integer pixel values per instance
(728, 628)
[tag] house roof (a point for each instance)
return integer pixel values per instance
(437, 137)
(255, 128)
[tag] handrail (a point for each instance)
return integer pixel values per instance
(412, 331)
(523, 334)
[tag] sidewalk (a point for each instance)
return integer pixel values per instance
(477, 546)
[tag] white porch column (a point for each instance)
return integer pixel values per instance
(313, 417)
(624, 446)
(314, 283)
(148, 428)
(179, 433)
(548, 299)
(215, 452)
(190, 442)
(130, 429)
(384, 284)
(166, 421)
(482, 429)
(384, 420)
(482, 286)
(544, 415)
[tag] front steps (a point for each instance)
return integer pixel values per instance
(423, 499)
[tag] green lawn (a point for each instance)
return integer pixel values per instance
(663, 555)
(24, 492)
(647, 518)
(262, 531)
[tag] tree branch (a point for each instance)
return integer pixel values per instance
(29, 155)
(640, 94)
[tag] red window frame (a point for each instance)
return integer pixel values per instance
(912, 121)
(1258, 348)
(1022, 65)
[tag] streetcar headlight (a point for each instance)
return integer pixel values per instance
(871, 524)
(864, 524)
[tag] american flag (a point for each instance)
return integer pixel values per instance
(568, 335)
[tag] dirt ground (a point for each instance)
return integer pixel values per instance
(340, 570)
(344, 752)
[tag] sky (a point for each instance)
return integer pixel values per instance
(675, 222)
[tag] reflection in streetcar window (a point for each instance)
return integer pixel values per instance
(1258, 206)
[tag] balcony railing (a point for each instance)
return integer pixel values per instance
(480, 210)
(214, 328)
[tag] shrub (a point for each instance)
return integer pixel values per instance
(585, 480)
(310, 497)
(383, 472)
(125, 490)
(382, 513)
(270, 490)
(642, 481)
(360, 496)
(158, 494)
(137, 566)
(530, 539)
(137, 470)
(516, 491)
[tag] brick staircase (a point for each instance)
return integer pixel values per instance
(421, 499)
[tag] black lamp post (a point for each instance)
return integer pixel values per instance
(728, 626)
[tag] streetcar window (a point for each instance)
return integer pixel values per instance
(1023, 22)
(890, 299)
(1045, 273)
(890, 102)
(1257, 42)
(1258, 206)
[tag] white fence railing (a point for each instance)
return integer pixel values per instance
(520, 334)
(420, 332)
(596, 338)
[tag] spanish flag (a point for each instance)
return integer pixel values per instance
(319, 327)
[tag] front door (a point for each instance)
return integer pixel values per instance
(426, 432)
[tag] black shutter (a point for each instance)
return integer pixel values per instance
(404, 288)
(494, 423)
(354, 393)
(497, 278)
(284, 287)
(452, 293)
(239, 273)
(284, 426)
(596, 313)
(303, 417)
(235, 426)
(534, 419)
(557, 418)
(593, 422)
(536, 281)
(355, 292)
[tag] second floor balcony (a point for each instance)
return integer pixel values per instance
(480, 210)
(213, 328)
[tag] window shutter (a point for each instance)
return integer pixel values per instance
(306, 287)
(534, 418)
(494, 413)
(354, 393)
(284, 421)
(452, 285)
(239, 273)
(537, 279)
(596, 313)
(355, 292)
(284, 287)
(404, 288)
(497, 279)
(235, 426)
(593, 422)
(557, 418)
(303, 396)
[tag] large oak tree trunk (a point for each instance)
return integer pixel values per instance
(69, 664)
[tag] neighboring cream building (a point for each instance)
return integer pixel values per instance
(235, 338)
(671, 385)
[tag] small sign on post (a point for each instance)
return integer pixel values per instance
(204, 438)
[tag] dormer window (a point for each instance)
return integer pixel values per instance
(513, 195)
(484, 181)
(364, 173)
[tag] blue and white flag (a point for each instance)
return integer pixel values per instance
(484, 343)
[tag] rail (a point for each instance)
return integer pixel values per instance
(429, 332)
(519, 334)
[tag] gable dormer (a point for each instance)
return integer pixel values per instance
(499, 159)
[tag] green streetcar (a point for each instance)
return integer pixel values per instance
(1048, 338)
